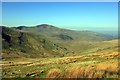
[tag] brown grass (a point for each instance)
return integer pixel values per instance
(83, 72)
(93, 71)
(73, 72)
(84, 66)
(100, 70)
(54, 73)
(108, 66)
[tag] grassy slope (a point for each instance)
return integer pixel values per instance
(100, 55)
(23, 67)
(50, 41)
(107, 62)
(20, 42)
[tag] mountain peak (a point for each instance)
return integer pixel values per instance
(45, 26)
(20, 27)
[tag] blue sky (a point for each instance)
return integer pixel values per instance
(70, 15)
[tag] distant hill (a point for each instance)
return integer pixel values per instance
(49, 41)
(54, 32)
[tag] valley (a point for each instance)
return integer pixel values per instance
(46, 51)
(59, 40)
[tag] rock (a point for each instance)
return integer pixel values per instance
(35, 73)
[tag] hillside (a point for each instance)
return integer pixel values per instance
(50, 41)
(87, 66)
(55, 33)
(51, 52)
(20, 42)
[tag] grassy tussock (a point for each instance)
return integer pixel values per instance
(84, 72)
(109, 66)
(54, 73)
(75, 72)
(100, 70)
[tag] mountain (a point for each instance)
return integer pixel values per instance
(49, 41)
(53, 32)
(20, 42)
(40, 52)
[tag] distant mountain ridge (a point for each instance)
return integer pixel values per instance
(53, 31)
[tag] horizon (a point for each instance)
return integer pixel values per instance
(93, 16)
(112, 33)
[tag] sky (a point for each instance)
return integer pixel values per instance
(70, 15)
(60, 0)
